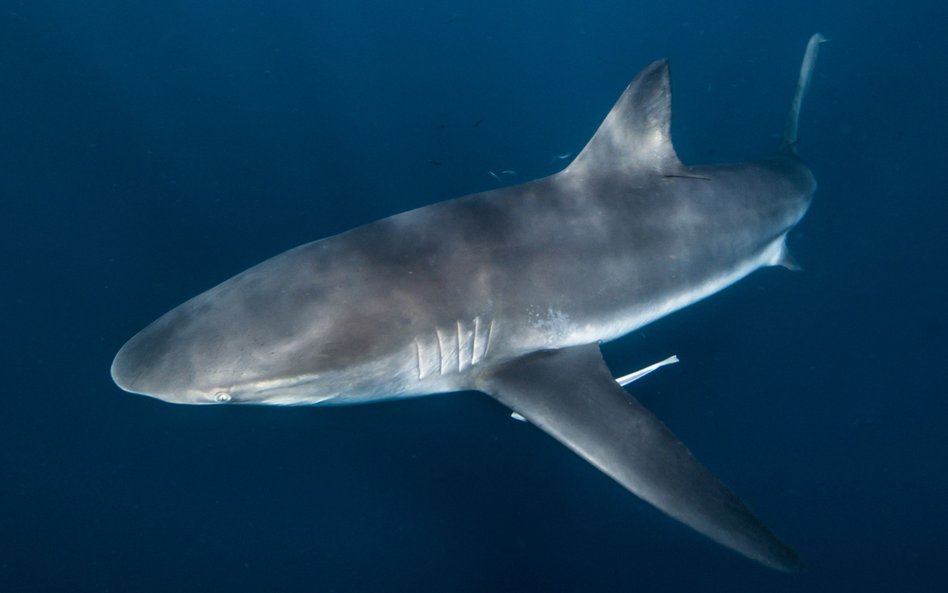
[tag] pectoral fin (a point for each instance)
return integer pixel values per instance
(571, 395)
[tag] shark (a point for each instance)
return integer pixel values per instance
(510, 292)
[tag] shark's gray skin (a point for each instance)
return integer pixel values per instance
(509, 292)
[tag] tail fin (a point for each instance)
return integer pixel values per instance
(806, 71)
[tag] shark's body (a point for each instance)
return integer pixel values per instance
(508, 292)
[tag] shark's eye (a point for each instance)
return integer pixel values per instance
(222, 397)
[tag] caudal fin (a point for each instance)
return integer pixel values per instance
(806, 71)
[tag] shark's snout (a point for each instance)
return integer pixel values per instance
(124, 371)
(133, 368)
(155, 362)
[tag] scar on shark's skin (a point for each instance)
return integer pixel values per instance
(619, 238)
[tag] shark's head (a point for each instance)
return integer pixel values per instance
(279, 333)
(201, 353)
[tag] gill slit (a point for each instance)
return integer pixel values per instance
(418, 359)
(440, 352)
(458, 323)
(474, 358)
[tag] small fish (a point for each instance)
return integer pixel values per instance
(508, 172)
(496, 176)
(561, 157)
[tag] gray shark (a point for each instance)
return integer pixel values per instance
(509, 292)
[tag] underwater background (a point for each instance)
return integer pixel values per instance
(150, 150)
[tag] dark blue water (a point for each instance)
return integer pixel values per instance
(151, 150)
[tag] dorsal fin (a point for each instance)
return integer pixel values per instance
(636, 135)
